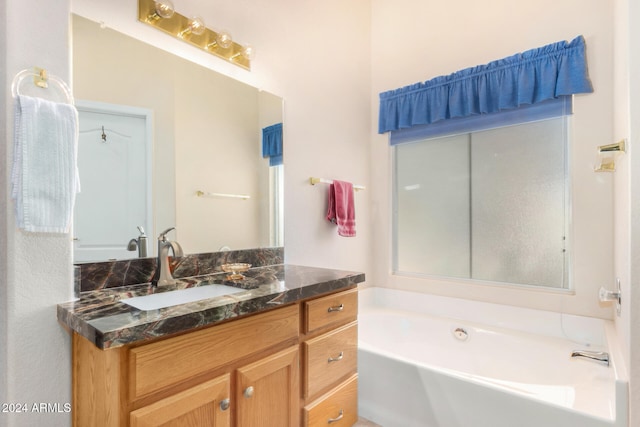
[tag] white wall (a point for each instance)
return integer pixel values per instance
(313, 54)
(414, 41)
(633, 292)
(627, 189)
(37, 272)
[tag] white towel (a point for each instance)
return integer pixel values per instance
(45, 176)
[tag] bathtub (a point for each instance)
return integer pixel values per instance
(429, 361)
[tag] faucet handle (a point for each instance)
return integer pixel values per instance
(163, 235)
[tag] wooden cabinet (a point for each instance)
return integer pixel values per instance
(290, 366)
(330, 349)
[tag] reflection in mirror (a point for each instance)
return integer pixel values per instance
(205, 144)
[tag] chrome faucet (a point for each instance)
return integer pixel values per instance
(163, 275)
(597, 356)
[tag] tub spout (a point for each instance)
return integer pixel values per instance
(597, 356)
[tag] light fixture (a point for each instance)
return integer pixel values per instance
(162, 9)
(161, 14)
(196, 27)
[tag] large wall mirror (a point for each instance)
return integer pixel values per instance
(168, 143)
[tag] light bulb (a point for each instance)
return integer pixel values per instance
(224, 39)
(196, 27)
(248, 52)
(163, 9)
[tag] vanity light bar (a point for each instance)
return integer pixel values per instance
(180, 27)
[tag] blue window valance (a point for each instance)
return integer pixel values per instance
(272, 144)
(525, 78)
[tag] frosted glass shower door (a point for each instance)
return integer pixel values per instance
(518, 204)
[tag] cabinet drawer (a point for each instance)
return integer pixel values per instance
(334, 309)
(330, 357)
(337, 408)
(155, 366)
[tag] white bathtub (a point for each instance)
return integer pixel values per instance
(513, 370)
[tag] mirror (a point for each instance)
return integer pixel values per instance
(202, 170)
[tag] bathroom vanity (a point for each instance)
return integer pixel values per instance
(282, 352)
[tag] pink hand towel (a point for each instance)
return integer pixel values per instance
(341, 208)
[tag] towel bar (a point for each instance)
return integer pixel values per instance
(314, 181)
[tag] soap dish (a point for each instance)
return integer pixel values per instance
(235, 269)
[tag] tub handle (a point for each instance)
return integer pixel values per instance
(338, 308)
(336, 419)
(335, 359)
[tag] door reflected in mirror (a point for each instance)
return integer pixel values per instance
(205, 131)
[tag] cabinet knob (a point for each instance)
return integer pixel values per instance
(224, 404)
(337, 308)
(248, 392)
(336, 419)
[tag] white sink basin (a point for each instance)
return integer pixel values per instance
(182, 296)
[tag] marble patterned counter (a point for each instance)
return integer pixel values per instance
(100, 317)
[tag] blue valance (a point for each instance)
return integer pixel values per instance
(272, 144)
(529, 77)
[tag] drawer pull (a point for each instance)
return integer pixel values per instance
(224, 405)
(335, 359)
(336, 419)
(248, 392)
(338, 308)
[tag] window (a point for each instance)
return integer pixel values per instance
(489, 205)
(481, 182)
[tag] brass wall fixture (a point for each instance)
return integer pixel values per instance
(607, 156)
(162, 15)
(314, 181)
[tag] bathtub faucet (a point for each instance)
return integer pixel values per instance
(597, 356)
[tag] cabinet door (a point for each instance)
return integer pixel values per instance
(268, 391)
(206, 404)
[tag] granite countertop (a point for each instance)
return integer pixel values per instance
(100, 317)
